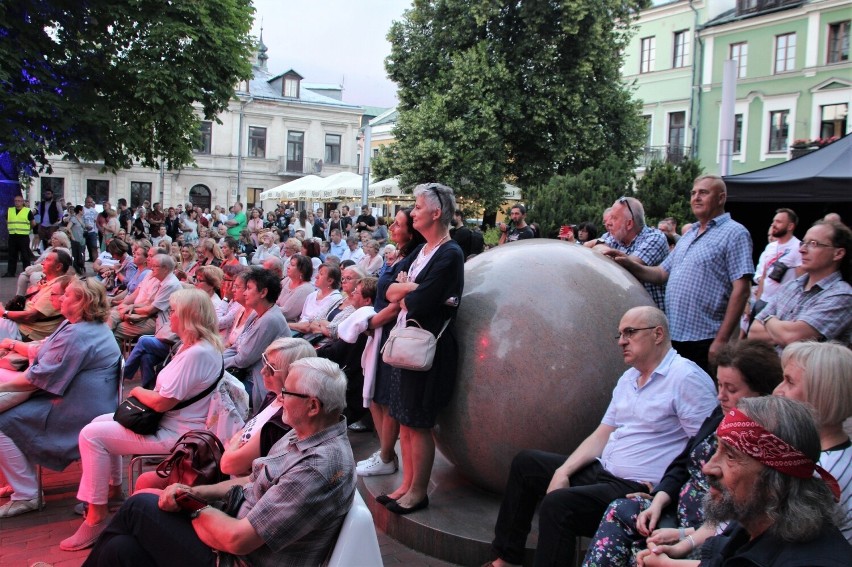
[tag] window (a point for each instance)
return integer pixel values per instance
(838, 42)
(55, 184)
(140, 191)
(257, 142)
(739, 53)
(291, 87)
(206, 141)
(252, 199)
(778, 130)
(295, 150)
(677, 137)
(833, 120)
(97, 189)
(646, 59)
(646, 118)
(332, 148)
(738, 134)
(681, 49)
(785, 52)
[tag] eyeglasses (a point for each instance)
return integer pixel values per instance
(266, 362)
(630, 331)
(284, 392)
(349, 278)
(812, 244)
(434, 187)
(624, 201)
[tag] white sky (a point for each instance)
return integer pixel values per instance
(332, 41)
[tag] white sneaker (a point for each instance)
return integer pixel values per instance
(369, 460)
(377, 467)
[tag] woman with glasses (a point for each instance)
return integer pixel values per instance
(72, 379)
(209, 280)
(265, 249)
(350, 279)
(429, 287)
(372, 261)
(193, 371)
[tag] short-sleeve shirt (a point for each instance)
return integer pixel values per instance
(242, 222)
(188, 374)
(826, 306)
(50, 317)
(520, 234)
(787, 254)
(654, 422)
(650, 246)
(702, 269)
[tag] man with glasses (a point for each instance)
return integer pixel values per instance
(519, 229)
(657, 405)
(817, 305)
(707, 276)
(296, 497)
(644, 245)
(39, 318)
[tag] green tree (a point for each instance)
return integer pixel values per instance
(664, 190)
(116, 80)
(572, 199)
(491, 91)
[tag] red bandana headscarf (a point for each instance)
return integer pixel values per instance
(747, 436)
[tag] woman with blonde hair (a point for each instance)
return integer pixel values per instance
(209, 253)
(72, 379)
(182, 393)
(209, 280)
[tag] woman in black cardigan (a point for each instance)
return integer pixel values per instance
(745, 369)
(429, 289)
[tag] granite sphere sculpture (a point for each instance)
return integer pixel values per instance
(538, 358)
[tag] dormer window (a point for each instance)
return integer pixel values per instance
(290, 85)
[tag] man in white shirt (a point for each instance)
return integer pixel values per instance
(353, 251)
(781, 260)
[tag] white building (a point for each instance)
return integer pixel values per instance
(276, 129)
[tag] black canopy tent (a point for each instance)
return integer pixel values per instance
(812, 185)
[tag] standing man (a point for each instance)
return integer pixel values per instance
(50, 212)
(172, 224)
(707, 276)
(460, 233)
(125, 215)
(237, 224)
(782, 260)
(365, 221)
(19, 221)
(90, 225)
(319, 225)
(156, 218)
(657, 405)
(519, 230)
(629, 234)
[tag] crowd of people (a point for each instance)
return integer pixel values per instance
(741, 374)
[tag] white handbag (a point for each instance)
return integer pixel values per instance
(411, 348)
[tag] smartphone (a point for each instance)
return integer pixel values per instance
(189, 502)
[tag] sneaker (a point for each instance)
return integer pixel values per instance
(18, 507)
(369, 460)
(378, 467)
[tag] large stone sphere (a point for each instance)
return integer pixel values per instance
(538, 357)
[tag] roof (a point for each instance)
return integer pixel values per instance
(732, 15)
(824, 175)
(260, 86)
(388, 117)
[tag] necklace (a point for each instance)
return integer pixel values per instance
(446, 237)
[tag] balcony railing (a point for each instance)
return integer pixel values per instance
(670, 154)
(304, 166)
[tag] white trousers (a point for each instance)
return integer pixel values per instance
(20, 473)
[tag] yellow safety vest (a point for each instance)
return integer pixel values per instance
(19, 221)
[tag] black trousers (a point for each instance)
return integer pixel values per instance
(698, 352)
(19, 248)
(563, 515)
(142, 535)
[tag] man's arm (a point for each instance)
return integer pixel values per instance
(782, 333)
(643, 273)
(733, 313)
(220, 531)
(589, 450)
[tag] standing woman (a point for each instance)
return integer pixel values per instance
(384, 461)
(429, 288)
(189, 227)
(255, 225)
(195, 368)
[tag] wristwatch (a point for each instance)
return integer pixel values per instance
(194, 514)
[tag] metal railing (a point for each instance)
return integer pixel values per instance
(670, 154)
(304, 166)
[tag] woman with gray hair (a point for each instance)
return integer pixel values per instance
(428, 289)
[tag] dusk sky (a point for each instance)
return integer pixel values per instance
(333, 41)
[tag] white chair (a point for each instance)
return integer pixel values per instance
(357, 543)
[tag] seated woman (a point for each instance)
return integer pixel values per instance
(116, 276)
(209, 280)
(209, 253)
(265, 249)
(264, 325)
(322, 301)
(245, 445)
(73, 378)
(34, 273)
(296, 287)
(188, 264)
(140, 260)
(372, 261)
(745, 369)
(193, 371)
(352, 276)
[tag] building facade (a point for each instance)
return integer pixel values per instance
(276, 129)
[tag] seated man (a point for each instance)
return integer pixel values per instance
(39, 318)
(139, 312)
(815, 306)
(657, 405)
(295, 498)
(765, 480)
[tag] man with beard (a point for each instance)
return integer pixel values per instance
(781, 258)
(764, 480)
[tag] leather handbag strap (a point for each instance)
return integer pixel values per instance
(416, 322)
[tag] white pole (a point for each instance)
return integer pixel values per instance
(726, 132)
(365, 180)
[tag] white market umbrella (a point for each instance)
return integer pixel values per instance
(284, 191)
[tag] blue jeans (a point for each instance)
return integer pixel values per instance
(147, 354)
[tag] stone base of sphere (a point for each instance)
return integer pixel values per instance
(538, 358)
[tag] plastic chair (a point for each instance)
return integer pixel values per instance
(357, 543)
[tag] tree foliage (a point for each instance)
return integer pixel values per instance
(664, 190)
(520, 91)
(116, 80)
(575, 198)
